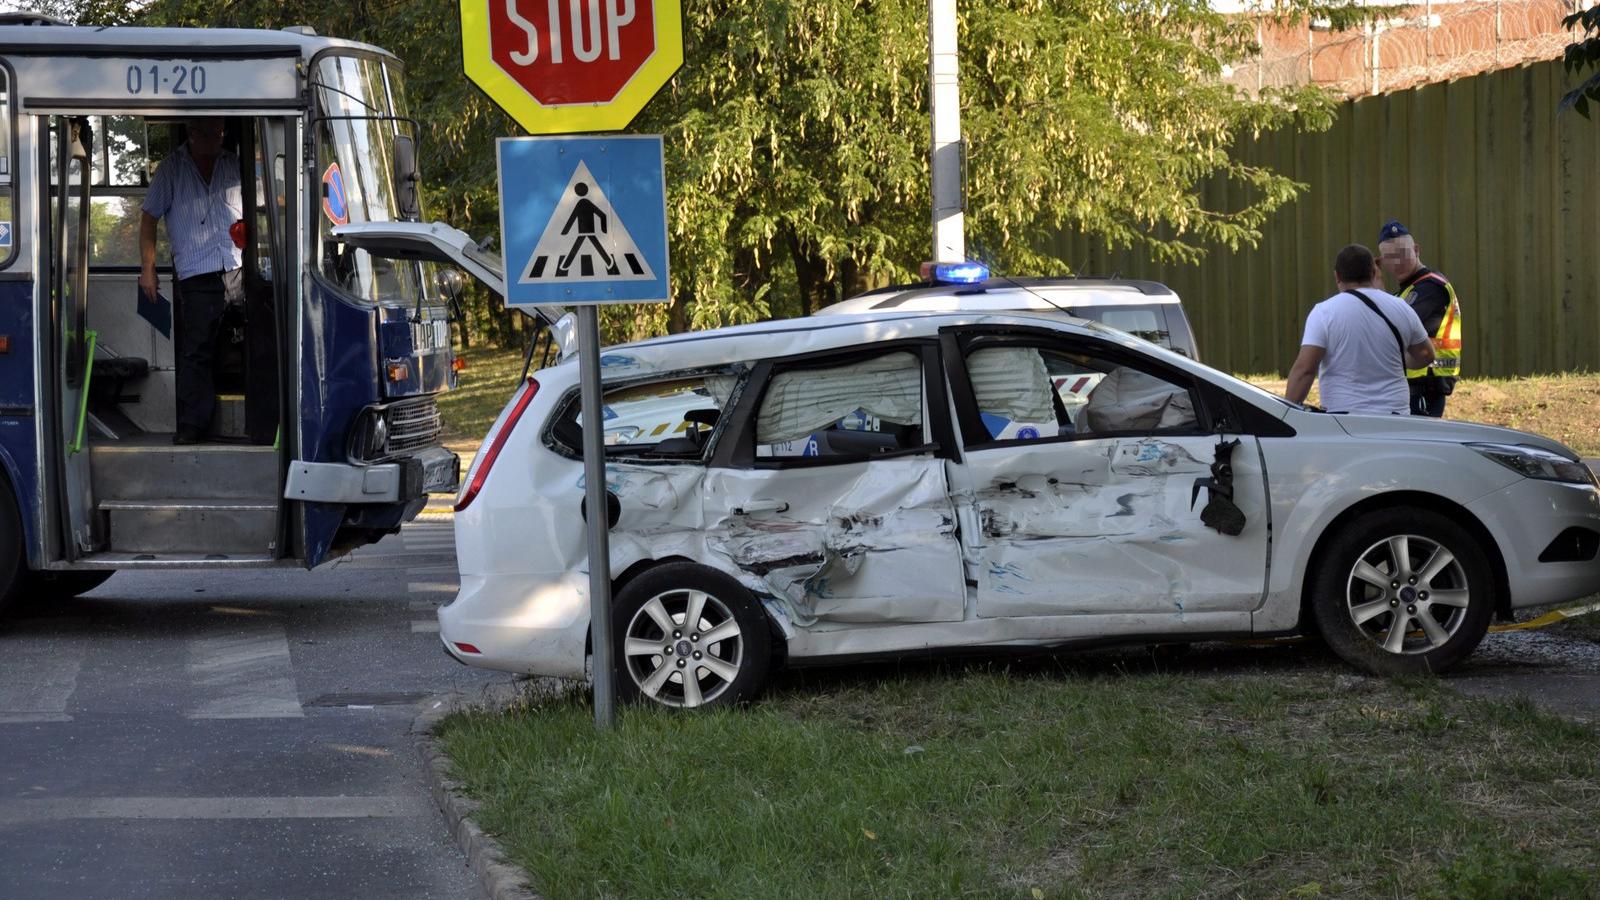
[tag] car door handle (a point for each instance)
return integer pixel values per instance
(751, 507)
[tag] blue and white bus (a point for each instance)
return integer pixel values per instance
(327, 431)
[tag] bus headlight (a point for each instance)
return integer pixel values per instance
(369, 437)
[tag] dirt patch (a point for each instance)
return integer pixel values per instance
(1563, 407)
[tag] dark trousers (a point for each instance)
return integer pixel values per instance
(201, 301)
(1428, 404)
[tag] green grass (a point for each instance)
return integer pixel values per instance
(484, 387)
(1046, 781)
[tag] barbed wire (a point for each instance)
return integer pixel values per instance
(1420, 44)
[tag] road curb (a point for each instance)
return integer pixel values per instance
(502, 879)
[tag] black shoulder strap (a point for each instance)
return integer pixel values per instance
(1400, 341)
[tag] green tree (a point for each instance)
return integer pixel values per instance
(797, 137)
(798, 142)
(1581, 54)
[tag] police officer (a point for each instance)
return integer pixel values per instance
(1433, 299)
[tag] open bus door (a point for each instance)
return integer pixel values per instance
(72, 342)
(119, 493)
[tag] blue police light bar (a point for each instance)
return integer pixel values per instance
(961, 273)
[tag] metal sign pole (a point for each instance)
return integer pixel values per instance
(944, 107)
(596, 508)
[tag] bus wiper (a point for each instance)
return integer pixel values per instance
(360, 100)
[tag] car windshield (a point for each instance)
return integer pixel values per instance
(1145, 322)
(361, 109)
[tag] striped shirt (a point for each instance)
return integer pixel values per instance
(198, 214)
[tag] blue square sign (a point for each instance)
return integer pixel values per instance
(583, 220)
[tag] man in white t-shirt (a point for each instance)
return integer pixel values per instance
(1355, 348)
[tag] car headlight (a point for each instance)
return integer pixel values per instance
(1534, 462)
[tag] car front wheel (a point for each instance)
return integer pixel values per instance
(688, 636)
(1403, 592)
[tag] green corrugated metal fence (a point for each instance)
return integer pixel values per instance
(1501, 192)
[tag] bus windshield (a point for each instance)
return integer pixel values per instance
(360, 110)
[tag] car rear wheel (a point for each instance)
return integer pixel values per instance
(1403, 592)
(688, 636)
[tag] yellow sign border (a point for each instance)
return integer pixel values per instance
(478, 63)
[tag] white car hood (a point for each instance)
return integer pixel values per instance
(1421, 428)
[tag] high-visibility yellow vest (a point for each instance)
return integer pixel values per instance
(1447, 340)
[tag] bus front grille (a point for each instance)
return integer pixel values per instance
(413, 424)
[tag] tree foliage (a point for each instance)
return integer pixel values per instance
(797, 136)
(1581, 54)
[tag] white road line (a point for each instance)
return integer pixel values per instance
(425, 626)
(246, 674)
(431, 549)
(419, 587)
(36, 809)
(37, 680)
(432, 570)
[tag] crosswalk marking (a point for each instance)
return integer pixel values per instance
(246, 675)
(447, 543)
(422, 587)
(37, 681)
(432, 570)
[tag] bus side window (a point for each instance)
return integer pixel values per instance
(8, 221)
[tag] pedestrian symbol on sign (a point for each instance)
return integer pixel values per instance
(585, 240)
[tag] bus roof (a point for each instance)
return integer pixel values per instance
(68, 40)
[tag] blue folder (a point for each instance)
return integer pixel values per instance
(157, 312)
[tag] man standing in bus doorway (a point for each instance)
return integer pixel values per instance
(1433, 299)
(197, 191)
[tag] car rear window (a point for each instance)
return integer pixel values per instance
(670, 417)
(1148, 322)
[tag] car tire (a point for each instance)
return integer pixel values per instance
(661, 622)
(13, 556)
(1403, 592)
(66, 584)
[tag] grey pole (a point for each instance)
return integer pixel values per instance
(944, 102)
(594, 480)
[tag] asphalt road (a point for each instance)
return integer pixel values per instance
(231, 734)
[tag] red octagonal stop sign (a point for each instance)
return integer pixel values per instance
(571, 65)
(572, 51)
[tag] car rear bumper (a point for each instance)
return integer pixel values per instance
(534, 624)
(1524, 519)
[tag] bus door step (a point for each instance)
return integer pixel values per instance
(191, 525)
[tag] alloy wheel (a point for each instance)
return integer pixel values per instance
(683, 648)
(1408, 594)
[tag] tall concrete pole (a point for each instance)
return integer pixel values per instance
(944, 102)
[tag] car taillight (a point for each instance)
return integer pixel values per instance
(496, 439)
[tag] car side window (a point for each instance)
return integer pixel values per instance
(843, 411)
(667, 418)
(1030, 393)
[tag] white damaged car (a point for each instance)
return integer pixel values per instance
(888, 483)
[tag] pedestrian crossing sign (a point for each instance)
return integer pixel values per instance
(583, 220)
